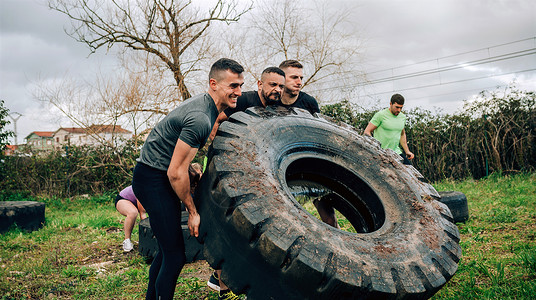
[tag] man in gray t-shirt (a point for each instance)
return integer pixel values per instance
(190, 123)
(161, 179)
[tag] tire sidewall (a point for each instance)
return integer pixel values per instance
(246, 204)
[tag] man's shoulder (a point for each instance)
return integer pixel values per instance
(383, 112)
(246, 100)
(379, 117)
(197, 102)
(204, 97)
(249, 97)
(306, 97)
(307, 102)
(193, 107)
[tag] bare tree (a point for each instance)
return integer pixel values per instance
(168, 29)
(135, 96)
(310, 31)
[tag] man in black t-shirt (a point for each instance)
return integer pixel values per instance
(294, 97)
(270, 89)
(269, 92)
(292, 94)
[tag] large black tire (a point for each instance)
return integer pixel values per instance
(27, 215)
(457, 203)
(148, 246)
(269, 247)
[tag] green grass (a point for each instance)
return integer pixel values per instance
(498, 241)
(78, 253)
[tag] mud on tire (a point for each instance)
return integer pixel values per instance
(269, 247)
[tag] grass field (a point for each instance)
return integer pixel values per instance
(498, 241)
(78, 253)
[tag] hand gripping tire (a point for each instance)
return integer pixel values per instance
(269, 247)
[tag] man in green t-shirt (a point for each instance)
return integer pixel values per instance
(387, 125)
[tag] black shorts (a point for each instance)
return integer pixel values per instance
(117, 198)
(405, 159)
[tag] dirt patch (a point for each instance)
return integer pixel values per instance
(113, 229)
(418, 206)
(430, 231)
(198, 269)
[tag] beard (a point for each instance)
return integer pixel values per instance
(271, 101)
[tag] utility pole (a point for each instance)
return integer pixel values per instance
(18, 115)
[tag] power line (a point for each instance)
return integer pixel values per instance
(454, 55)
(506, 56)
(454, 81)
(460, 91)
(439, 95)
(453, 67)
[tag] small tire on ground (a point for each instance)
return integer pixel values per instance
(457, 203)
(148, 246)
(269, 247)
(27, 215)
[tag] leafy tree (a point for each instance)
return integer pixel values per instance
(4, 133)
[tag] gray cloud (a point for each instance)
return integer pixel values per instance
(33, 45)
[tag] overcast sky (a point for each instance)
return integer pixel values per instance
(403, 38)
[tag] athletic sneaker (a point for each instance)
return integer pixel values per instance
(127, 245)
(214, 282)
(228, 295)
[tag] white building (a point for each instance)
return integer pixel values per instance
(92, 135)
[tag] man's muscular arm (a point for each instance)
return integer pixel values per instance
(180, 181)
(404, 144)
(370, 129)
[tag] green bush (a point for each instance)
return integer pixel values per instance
(68, 172)
(494, 134)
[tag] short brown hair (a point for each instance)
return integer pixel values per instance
(224, 64)
(195, 171)
(397, 98)
(290, 63)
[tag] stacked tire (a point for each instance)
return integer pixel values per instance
(148, 245)
(268, 246)
(457, 203)
(27, 215)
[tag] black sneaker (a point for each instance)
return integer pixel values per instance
(214, 282)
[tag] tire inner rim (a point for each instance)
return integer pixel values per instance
(308, 178)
